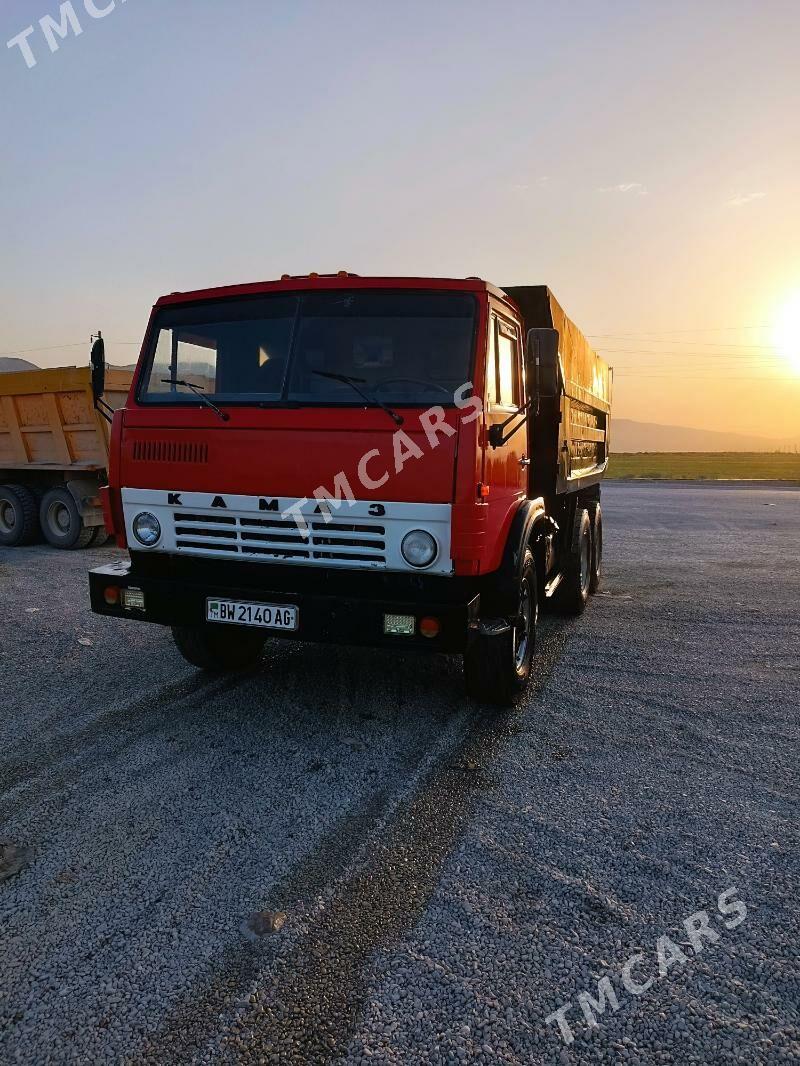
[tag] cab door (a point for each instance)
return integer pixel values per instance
(506, 466)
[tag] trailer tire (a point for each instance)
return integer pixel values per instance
(100, 536)
(597, 550)
(497, 667)
(19, 516)
(573, 592)
(61, 522)
(219, 649)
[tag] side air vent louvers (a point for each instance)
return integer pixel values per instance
(168, 451)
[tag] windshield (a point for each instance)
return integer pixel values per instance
(399, 347)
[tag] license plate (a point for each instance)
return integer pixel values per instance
(242, 613)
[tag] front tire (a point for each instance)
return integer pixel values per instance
(220, 649)
(497, 666)
(61, 522)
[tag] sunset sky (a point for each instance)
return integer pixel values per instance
(643, 159)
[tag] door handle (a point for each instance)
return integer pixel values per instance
(524, 460)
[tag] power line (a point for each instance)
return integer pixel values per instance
(783, 379)
(743, 349)
(667, 332)
(687, 371)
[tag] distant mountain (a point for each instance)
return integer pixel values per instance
(9, 364)
(630, 436)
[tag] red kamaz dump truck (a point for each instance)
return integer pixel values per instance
(397, 462)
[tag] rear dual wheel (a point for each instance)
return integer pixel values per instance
(584, 564)
(61, 521)
(19, 519)
(597, 550)
(573, 592)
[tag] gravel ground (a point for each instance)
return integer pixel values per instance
(449, 879)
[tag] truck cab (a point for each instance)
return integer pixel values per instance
(380, 461)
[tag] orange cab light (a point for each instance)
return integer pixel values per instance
(429, 627)
(111, 595)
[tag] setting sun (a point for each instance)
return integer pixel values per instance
(786, 332)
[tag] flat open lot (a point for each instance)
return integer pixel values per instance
(449, 878)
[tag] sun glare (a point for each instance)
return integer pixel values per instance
(786, 332)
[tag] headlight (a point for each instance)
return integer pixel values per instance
(147, 529)
(419, 548)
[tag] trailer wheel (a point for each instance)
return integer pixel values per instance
(62, 524)
(219, 649)
(597, 550)
(574, 589)
(19, 519)
(100, 536)
(497, 667)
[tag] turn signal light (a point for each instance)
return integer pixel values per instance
(429, 627)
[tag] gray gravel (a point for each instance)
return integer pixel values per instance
(448, 878)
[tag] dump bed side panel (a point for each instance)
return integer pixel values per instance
(48, 421)
(571, 437)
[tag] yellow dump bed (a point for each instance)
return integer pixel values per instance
(48, 420)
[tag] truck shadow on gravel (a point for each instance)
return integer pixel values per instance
(380, 863)
(361, 766)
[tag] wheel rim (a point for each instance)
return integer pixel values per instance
(58, 518)
(586, 560)
(522, 631)
(8, 517)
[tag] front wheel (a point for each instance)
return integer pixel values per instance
(497, 665)
(217, 648)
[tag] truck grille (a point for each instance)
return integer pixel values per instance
(277, 538)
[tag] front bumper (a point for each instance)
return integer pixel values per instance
(335, 618)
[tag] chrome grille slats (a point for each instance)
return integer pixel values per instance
(355, 535)
(246, 535)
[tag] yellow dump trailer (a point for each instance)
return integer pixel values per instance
(54, 455)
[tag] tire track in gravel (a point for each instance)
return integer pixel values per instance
(297, 999)
(47, 768)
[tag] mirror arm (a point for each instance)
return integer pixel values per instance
(497, 432)
(104, 410)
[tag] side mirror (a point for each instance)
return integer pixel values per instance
(98, 361)
(543, 362)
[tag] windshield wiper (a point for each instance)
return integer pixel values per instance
(354, 384)
(198, 391)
